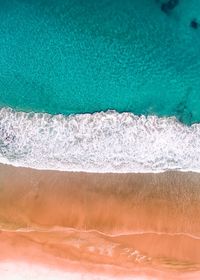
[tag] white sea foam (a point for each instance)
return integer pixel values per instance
(100, 142)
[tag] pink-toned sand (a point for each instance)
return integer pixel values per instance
(100, 225)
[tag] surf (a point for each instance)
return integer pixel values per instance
(101, 142)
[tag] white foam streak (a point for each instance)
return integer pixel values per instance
(100, 142)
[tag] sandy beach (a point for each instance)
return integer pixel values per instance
(121, 225)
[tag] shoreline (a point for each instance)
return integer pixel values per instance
(24, 249)
(94, 171)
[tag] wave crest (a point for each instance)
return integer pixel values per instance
(99, 142)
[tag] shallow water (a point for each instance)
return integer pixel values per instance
(77, 56)
(123, 255)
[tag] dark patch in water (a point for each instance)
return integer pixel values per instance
(169, 6)
(182, 110)
(194, 24)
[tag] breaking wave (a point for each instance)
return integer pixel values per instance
(99, 142)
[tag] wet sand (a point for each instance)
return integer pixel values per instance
(117, 224)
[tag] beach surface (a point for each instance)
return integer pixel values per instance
(88, 225)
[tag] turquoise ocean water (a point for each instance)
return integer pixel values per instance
(62, 56)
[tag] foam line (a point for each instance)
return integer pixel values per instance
(99, 142)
